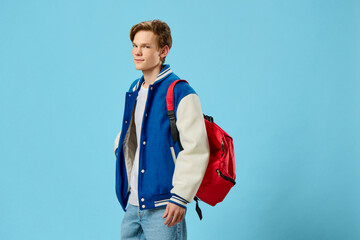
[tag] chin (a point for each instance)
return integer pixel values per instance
(137, 67)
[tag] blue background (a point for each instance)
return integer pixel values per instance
(282, 77)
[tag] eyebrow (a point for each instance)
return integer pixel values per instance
(142, 43)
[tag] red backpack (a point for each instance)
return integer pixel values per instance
(220, 176)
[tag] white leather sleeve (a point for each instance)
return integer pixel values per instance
(190, 163)
(116, 143)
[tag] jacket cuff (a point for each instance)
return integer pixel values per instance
(176, 199)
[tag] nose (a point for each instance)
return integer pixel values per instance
(137, 51)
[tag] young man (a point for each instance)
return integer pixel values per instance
(154, 179)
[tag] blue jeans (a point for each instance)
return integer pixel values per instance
(148, 224)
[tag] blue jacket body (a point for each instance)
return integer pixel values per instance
(158, 155)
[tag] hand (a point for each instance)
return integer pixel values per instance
(173, 214)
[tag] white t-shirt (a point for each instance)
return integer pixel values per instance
(139, 114)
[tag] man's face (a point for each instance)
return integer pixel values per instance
(146, 52)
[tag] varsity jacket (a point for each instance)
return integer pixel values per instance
(166, 174)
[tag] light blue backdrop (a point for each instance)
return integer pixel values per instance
(282, 77)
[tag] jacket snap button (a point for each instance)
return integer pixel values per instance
(125, 121)
(145, 114)
(151, 88)
(144, 142)
(142, 171)
(142, 199)
(129, 95)
(143, 206)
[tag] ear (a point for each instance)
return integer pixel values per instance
(164, 51)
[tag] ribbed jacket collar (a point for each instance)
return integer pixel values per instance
(165, 71)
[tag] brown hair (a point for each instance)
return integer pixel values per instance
(159, 28)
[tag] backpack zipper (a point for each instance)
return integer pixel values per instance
(225, 177)
(223, 148)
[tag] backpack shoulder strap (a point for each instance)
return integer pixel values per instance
(171, 114)
(170, 94)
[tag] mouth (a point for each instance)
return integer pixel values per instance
(138, 60)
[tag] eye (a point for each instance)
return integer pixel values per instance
(147, 46)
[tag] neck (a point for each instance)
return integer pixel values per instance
(150, 75)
